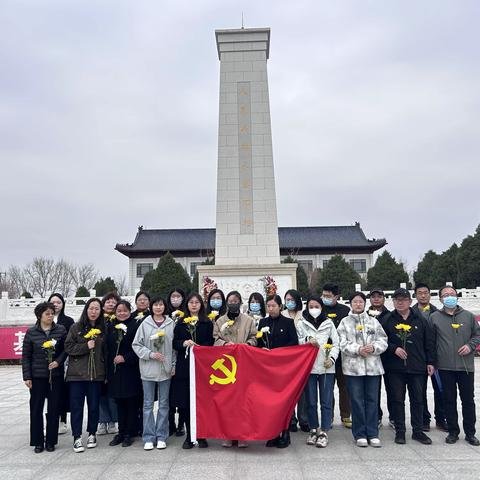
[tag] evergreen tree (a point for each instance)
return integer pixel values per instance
(302, 279)
(468, 259)
(445, 268)
(104, 286)
(168, 274)
(425, 266)
(26, 295)
(341, 273)
(81, 292)
(387, 273)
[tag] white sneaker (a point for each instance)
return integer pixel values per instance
(312, 437)
(362, 442)
(112, 428)
(322, 440)
(161, 445)
(242, 444)
(227, 443)
(102, 429)
(375, 442)
(78, 445)
(62, 428)
(148, 446)
(91, 441)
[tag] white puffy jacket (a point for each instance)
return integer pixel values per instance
(325, 331)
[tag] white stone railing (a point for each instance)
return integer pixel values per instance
(19, 311)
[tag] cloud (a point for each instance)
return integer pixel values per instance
(109, 118)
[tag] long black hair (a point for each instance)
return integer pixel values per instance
(99, 323)
(62, 318)
(202, 316)
(170, 308)
(258, 297)
(223, 308)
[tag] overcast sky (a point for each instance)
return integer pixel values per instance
(109, 118)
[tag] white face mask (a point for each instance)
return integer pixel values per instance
(314, 312)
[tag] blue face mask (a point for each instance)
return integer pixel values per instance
(450, 302)
(216, 303)
(327, 301)
(254, 307)
(291, 304)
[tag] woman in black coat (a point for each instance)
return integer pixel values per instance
(123, 373)
(43, 377)
(279, 331)
(61, 319)
(182, 339)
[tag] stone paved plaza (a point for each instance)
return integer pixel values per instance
(340, 458)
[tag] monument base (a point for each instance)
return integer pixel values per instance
(247, 279)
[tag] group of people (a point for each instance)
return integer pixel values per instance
(122, 361)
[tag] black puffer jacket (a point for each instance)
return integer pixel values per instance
(34, 357)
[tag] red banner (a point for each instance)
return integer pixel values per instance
(246, 393)
(11, 342)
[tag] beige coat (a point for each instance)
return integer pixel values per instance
(242, 331)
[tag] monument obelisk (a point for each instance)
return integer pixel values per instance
(246, 241)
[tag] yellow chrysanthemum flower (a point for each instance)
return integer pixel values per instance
(332, 315)
(359, 328)
(456, 325)
(259, 334)
(327, 346)
(92, 333)
(213, 315)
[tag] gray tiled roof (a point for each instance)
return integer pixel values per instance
(191, 239)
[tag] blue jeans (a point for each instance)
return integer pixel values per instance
(78, 392)
(155, 429)
(324, 383)
(364, 398)
(108, 410)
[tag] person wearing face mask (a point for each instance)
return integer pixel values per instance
(216, 302)
(319, 330)
(281, 333)
(362, 341)
(242, 330)
(256, 307)
(336, 311)
(293, 310)
(457, 337)
(175, 300)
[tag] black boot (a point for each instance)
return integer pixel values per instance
(284, 439)
(273, 442)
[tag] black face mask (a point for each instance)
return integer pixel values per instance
(234, 308)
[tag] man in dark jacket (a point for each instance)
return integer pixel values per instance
(406, 364)
(457, 334)
(424, 309)
(336, 311)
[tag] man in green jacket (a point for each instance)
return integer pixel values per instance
(457, 336)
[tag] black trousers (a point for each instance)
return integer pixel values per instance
(465, 383)
(127, 416)
(389, 406)
(439, 407)
(42, 390)
(397, 388)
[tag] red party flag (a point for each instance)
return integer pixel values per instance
(239, 392)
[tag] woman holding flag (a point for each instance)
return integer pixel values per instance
(195, 328)
(276, 331)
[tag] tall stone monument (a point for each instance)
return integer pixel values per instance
(246, 242)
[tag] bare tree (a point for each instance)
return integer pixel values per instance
(85, 276)
(43, 275)
(18, 280)
(121, 284)
(64, 273)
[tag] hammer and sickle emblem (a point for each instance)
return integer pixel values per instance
(229, 374)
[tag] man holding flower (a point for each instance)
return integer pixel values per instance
(457, 336)
(408, 358)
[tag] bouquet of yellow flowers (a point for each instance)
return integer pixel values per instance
(121, 329)
(191, 323)
(213, 315)
(403, 334)
(225, 329)
(455, 327)
(177, 314)
(109, 317)
(92, 334)
(327, 347)
(49, 347)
